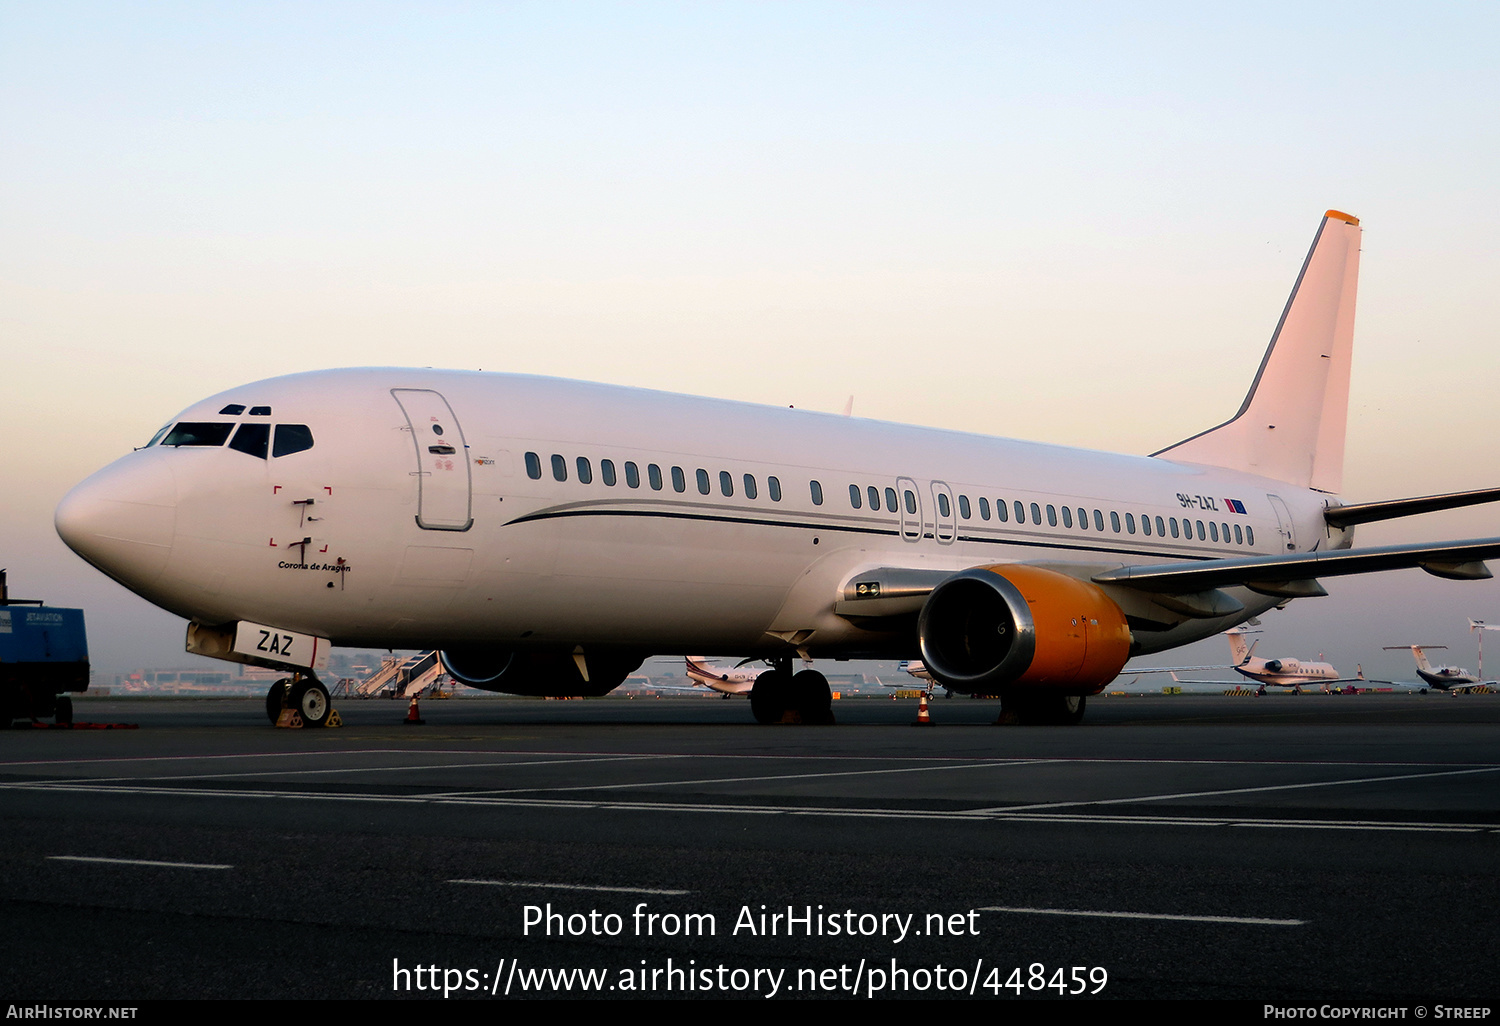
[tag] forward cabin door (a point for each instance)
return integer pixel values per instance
(444, 488)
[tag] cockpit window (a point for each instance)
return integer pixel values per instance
(194, 433)
(232, 410)
(158, 436)
(260, 411)
(252, 439)
(291, 438)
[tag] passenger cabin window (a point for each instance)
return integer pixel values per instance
(943, 507)
(291, 438)
(890, 500)
(607, 472)
(1020, 512)
(963, 507)
(1213, 530)
(1098, 520)
(855, 500)
(252, 439)
(1067, 517)
(1114, 521)
(1145, 524)
(585, 471)
(1051, 514)
(1239, 538)
(559, 468)
(653, 473)
(911, 501)
(1249, 535)
(232, 410)
(703, 485)
(750, 490)
(1083, 518)
(1036, 513)
(1161, 528)
(874, 494)
(679, 482)
(192, 433)
(1002, 511)
(632, 475)
(1173, 524)
(533, 466)
(1130, 523)
(773, 485)
(726, 483)
(984, 509)
(817, 492)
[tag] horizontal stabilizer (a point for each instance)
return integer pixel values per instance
(1391, 509)
(1221, 573)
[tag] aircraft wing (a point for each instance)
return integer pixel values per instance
(897, 591)
(1274, 575)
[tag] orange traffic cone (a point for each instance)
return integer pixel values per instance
(923, 719)
(413, 719)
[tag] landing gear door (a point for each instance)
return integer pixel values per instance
(444, 488)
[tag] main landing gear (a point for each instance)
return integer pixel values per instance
(1042, 710)
(779, 696)
(304, 699)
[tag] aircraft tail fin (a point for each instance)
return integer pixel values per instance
(1291, 424)
(1239, 651)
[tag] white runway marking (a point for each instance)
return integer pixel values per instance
(138, 862)
(1244, 920)
(1239, 790)
(568, 887)
(994, 816)
(755, 779)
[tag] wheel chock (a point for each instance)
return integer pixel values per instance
(333, 719)
(291, 719)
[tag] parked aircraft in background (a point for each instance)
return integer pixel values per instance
(736, 681)
(548, 535)
(1279, 671)
(1443, 678)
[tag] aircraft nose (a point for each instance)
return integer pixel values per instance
(123, 519)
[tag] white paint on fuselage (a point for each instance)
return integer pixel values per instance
(547, 562)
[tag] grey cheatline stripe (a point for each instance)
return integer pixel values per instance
(1240, 920)
(568, 887)
(138, 862)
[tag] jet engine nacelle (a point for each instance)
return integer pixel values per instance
(1018, 628)
(1274, 665)
(539, 674)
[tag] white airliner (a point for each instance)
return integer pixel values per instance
(548, 535)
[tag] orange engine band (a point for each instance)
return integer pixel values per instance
(1013, 625)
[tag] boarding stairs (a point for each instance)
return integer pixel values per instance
(403, 677)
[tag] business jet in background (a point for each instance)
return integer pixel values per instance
(727, 681)
(1279, 671)
(547, 535)
(1444, 678)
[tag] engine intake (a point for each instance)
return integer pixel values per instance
(1013, 627)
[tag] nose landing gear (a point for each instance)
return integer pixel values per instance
(300, 702)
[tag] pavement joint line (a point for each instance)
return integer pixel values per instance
(138, 862)
(370, 769)
(779, 776)
(1240, 790)
(958, 815)
(1236, 920)
(571, 887)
